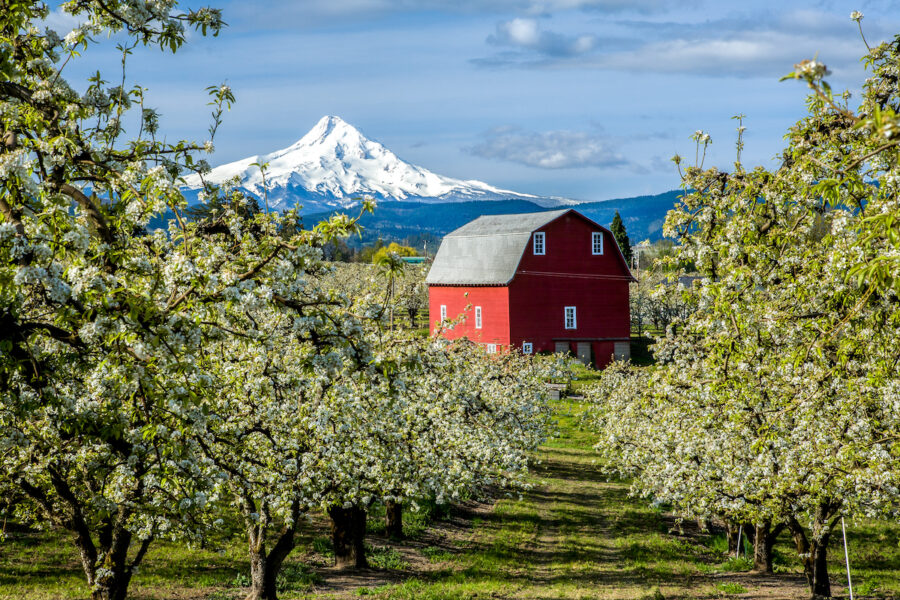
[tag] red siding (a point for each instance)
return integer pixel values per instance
(537, 305)
(568, 274)
(494, 303)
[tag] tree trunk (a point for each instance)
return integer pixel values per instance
(257, 572)
(348, 534)
(264, 568)
(108, 580)
(112, 587)
(394, 519)
(813, 554)
(763, 541)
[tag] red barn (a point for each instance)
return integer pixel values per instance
(540, 282)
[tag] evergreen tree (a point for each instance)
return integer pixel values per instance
(618, 230)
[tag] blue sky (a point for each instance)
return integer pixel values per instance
(586, 99)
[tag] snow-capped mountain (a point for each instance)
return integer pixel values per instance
(334, 165)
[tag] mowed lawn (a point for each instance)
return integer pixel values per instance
(573, 535)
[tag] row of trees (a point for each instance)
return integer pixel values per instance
(338, 250)
(776, 403)
(397, 287)
(658, 300)
(154, 384)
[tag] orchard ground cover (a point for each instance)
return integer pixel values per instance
(574, 535)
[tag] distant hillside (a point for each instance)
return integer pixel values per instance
(643, 215)
(416, 223)
(398, 221)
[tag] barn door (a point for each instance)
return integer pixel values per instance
(562, 348)
(622, 350)
(584, 352)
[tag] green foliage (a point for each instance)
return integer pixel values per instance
(730, 588)
(382, 254)
(382, 557)
(618, 230)
(296, 577)
(738, 564)
(774, 397)
(435, 554)
(322, 545)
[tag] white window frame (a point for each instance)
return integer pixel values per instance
(597, 243)
(540, 243)
(527, 348)
(492, 348)
(477, 317)
(443, 312)
(566, 315)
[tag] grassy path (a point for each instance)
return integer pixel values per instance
(574, 535)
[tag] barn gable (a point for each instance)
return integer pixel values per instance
(488, 250)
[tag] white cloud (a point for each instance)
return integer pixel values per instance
(61, 22)
(766, 54)
(550, 149)
(746, 45)
(527, 34)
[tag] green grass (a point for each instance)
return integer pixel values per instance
(381, 557)
(731, 588)
(576, 534)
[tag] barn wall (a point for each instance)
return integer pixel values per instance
(603, 353)
(537, 310)
(570, 275)
(494, 302)
(568, 250)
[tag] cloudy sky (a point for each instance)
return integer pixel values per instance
(586, 99)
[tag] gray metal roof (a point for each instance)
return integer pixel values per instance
(486, 251)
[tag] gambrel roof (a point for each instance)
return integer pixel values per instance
(487, 251)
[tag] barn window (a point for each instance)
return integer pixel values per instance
(492, 348)
(443, 312)
(527, 348)
(570, 317)
(539, 246)
(477, 317)
(596, 243)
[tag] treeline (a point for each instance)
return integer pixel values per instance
(337, 250)
(773, 406)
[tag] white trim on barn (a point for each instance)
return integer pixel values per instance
(540, 243)
(597, 243)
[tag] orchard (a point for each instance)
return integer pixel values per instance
(775, 402)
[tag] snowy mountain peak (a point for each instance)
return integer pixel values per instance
(329, 126)
(333, 165)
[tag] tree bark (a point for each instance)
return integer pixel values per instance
(394, 519)
(348, 534)
(265, 567)
(813, 554)
(763, 542)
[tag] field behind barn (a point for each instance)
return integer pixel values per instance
(574, 535)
